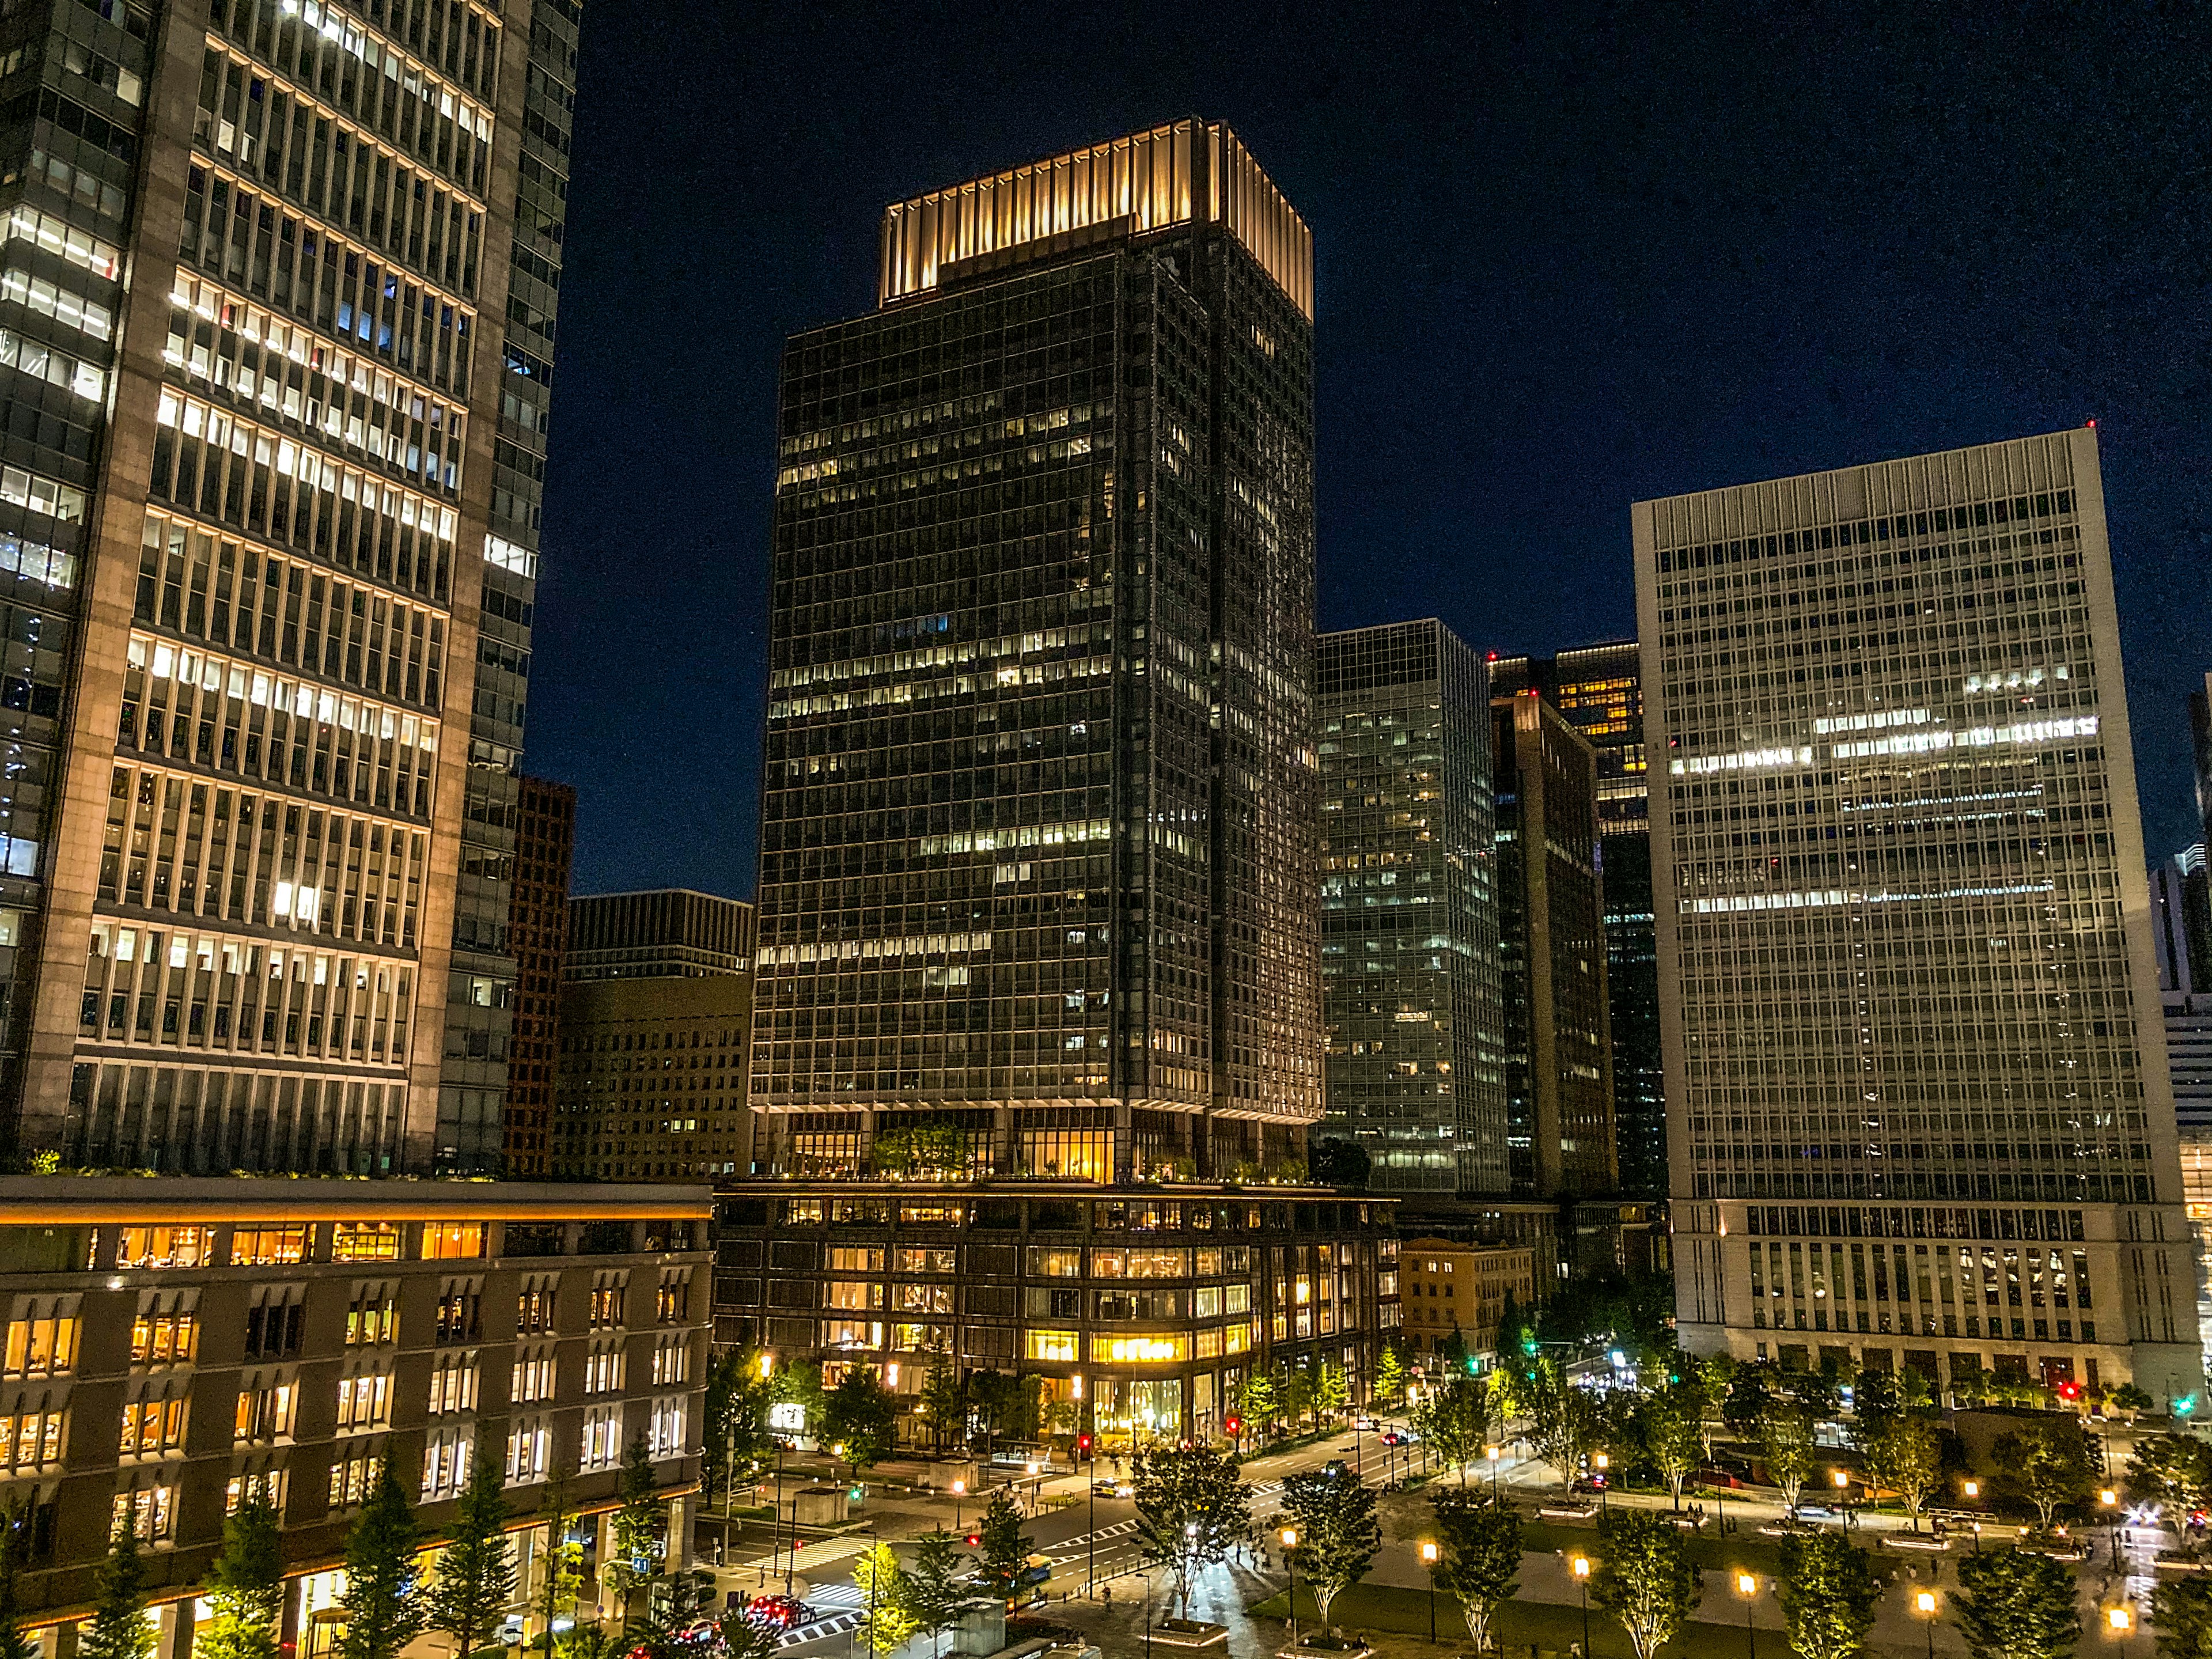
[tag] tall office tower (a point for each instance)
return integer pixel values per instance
(1917, 1085)
(655, 1023)
(480, 1017)
(537, 934)
(2181, 921)
(667, 932)
(1037, 826)
(1409, 908)
(246, 504)
(1551, 932)
(1599, 688)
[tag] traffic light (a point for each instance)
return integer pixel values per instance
(974, 1539)
(1082, 1444)
(1234, 1424)
(2069, 1389)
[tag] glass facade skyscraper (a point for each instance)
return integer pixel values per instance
(1410, 978)
(251, 513)
(1037, 834)
(1920, 1106)
(1599, 688)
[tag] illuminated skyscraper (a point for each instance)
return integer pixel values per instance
(1037, 828)
(1920, 1108)
(252, 511)
(1409, 909)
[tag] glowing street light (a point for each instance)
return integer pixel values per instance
(1582, 1571)
(959, 1492)
(1747, 1586)
(1429, 1560)
(1290, 1543)
(1926, 1604)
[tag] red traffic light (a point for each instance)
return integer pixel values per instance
(2069, 1390)
(1083, 1442)
(974, 1539)
(1234, 1424)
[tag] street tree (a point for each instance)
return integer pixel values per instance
(1456, 1422)
(2046, 1464)
(474, 1578)
(14, 1643)
(944, 1402)
(2181, 1612)
(1560, 1419)
(1339, 1535)
(1333, 1391)
(1005, 1547)
(861, 1415)
(1785, 1436)
(933, 1586)
(886, 1599)
(2014, 1604)
(245, 1586)
(1827, 1593)
(1479, 1556)
(2172, 1468)
(638, 1550)
(1259, 1401)
(118, 1628)
(736, 1422)
(1390, 1375)
(1674, 1432)
(1907, 1456)
(1192, 1509)
(1644, 1577)
(383, 1599)
(1752, 1386)
(1299, 1395)
(1876, 1402)
(560, 1562)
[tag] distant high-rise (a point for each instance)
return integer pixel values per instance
(1920, 1106)
(661, 933)
(537, 936)
(259, 510)
(1599, 688)
(1037, 821)
(1409, 909)
(2181, 922)
(1551, 932)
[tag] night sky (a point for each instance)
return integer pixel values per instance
(1569, 256)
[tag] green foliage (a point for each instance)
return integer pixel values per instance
(2130, 1398)
(1478, 1555)
(1339, 1535)
(560, 1575)
(14, 1643)
(736, 1420)
(1907, 1455)
(2172, 1468)
(1673, 1424)
(944, 1402)
(1005, 1547)
(1390, 1375)
(799, 1383)
(1332, 1392)
(118, 1628)
(1259, 1400)
(475, 1575)
(862, 1415)
(1876, 1402)
(930, 1150)
(933, 1587)
(637, 1546)
(244, 1587)
(2181, 1612)
(1561, 1421)
(1191, 1509)
(2044, 1465)
(1298, 1393)
(1454, 1419)
(382, 1597)
(885, 1595)
(2017, 1605)
(1827, 1593)
(1006, 1405)
(1785, 1439)
(1614, 1310)
(1644, 1578)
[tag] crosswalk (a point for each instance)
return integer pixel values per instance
(843, 1609)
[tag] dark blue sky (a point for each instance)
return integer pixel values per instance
(1569, 256)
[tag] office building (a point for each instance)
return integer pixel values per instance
(1455, 1291)
(1599, 688)
(537, 934)
(668, 932)
(1551, 930)
(1143, 1309)
(1921, 1112)
(655, 1033)
(175, 1347)
(247, 524)
(1410, 982)
(482, 1013)
(2181, 922)
(1038, 827)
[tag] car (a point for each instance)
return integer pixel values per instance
(1366, 1425)
(1401, 1437)
(779, 1612)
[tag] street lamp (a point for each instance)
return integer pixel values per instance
(1926, 1604)
(1843, 1479)
(2120, 1624)
(1746, 1586)
(1290, 1543)
(1971, 1488)
(2109, 1500)
(959, 1492)
(1604, 1486)
(1582, 1568)
(1429, 1560)
(1493, 1453)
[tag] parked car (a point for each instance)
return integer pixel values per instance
(779, 1612)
